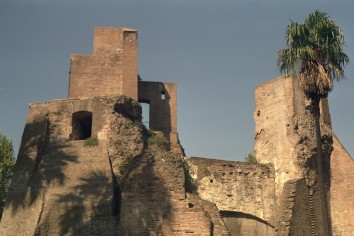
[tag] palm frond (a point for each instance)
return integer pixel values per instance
(315, 53)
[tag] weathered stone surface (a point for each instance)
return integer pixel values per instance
(154, 200)
(122, 186)
(240, 191)
(285, 137)
(59, 186)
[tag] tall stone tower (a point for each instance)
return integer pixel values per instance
(111, 70)
(285, 138)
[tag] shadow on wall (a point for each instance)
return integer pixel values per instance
(239, 223)
(35, 169)
(84, 210)
(306, 198)
(146, 200)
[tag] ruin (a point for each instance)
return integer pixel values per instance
(130, 184)
(113, 70)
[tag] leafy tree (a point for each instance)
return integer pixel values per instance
(6, 167)
(316, 58)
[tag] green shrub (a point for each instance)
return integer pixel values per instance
(158, 140)
(250, 158)
(90, 142)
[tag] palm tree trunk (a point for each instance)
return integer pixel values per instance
(322, 190)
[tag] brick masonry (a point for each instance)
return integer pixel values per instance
(113, 70)
(285, 138)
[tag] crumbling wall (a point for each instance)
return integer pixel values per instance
(59, 186)
(122, 186)
(285, 137)
(162, 98)
(154, 200)
(242, 192)
(113, 70)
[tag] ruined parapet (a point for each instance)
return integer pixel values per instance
(285, 138)
(242, 192)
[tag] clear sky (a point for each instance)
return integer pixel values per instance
(217, 51)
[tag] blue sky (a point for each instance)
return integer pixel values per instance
(216, 51)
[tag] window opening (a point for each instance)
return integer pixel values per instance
(81, 125)
(145, 105)
(163, 95)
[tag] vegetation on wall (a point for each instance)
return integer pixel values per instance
(250, 158)
(91, 142)
(7, 163)
(158, 140)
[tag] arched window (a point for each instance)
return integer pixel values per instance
(81, 125)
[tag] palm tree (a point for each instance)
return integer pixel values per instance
(315, 57)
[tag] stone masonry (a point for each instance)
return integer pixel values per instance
(119, 187)
(242, 192)
(284, 136)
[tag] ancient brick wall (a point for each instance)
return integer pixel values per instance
(162, 98)
(119, 187)
(59, 186)
(154, 200)
(342, 190)
(243, 193)
(111, 70)
(285, 138)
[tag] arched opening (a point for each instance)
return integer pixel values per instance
(239, 223)
(145, 106)
(81, 125)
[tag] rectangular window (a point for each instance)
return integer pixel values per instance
(163, 95)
